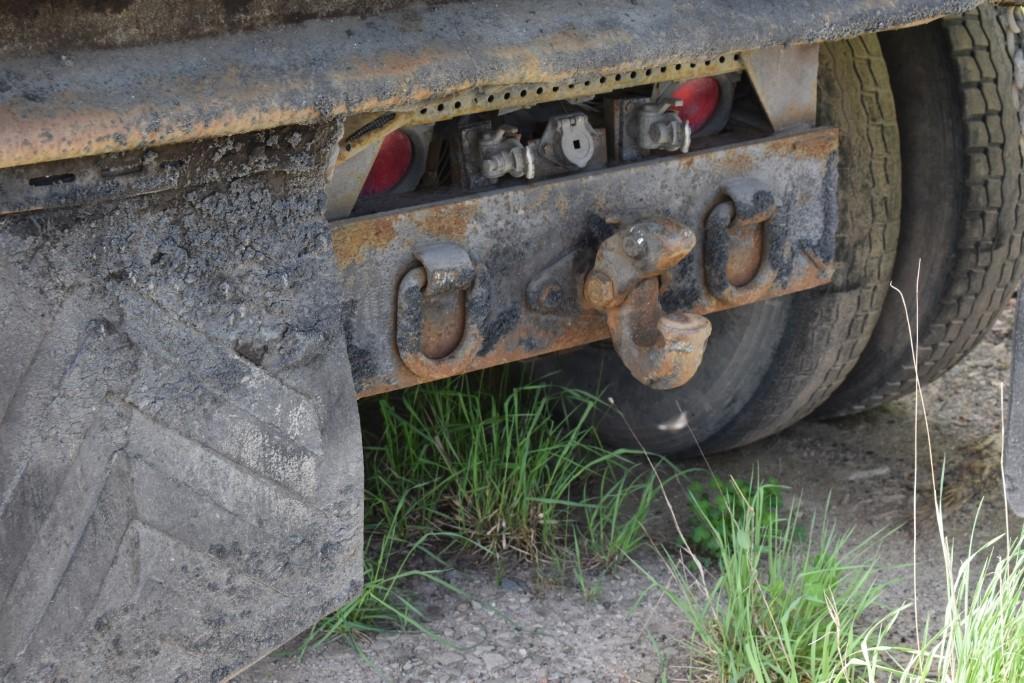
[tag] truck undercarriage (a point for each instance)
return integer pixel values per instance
(216, 233)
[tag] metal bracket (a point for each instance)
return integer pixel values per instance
(554, 288)
(662, 351)
(347, 180)
(786, 81)
(541, 239)
(569, 143)
(487, 154)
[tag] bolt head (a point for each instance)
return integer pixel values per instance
(599, 289)
(551, 296)
(635, 244)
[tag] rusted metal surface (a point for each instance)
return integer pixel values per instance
(34, 26)
(643, 250)
(661, 351)
(736, 270)
(534, 243)
(421, 60)
(441, 306)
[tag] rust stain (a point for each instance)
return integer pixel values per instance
(800, 281)
(402, 62)
(355, 239)
(745, 254)
(449, 221)
(814, 144)
(523, 343)
(352, 241)
(531, 339)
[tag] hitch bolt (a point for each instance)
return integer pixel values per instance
(599, 289)
(635, 243)
(551, 296)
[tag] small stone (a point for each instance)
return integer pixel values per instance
(449, 658)
(453, 576)
(510, 584)
(492, 660)
(874, 472)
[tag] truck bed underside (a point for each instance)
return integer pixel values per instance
(79, 102)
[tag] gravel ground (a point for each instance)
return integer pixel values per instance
(520, 627)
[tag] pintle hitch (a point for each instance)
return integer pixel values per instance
(661, 350)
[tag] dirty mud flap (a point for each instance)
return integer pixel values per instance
(1013, 448)
(763, 214)
(180, 455)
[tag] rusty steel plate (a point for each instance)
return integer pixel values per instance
(548, 232)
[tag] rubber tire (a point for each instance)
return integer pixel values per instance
(958, 110)
(768, 365)
(828, 328)
(173, 505)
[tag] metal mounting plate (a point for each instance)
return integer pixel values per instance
(517, 232)
(786, 80)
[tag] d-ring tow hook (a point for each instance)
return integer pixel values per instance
(662, 350)
(445, 293)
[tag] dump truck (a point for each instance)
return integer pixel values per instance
(224, 222)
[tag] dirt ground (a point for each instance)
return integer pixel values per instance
(521, 628)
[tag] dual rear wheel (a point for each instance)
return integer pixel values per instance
(930, 174)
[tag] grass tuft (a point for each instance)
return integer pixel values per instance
(475, 464)
(714, 505)
(784, 605)
(509, 470)
(980, 636)
(390, 562)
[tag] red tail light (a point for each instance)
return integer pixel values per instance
(392, 163)
(700, 99)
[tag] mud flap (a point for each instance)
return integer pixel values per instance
(1013, 454)
(180, 458)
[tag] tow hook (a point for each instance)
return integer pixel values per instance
(440, 309)
(661, 350)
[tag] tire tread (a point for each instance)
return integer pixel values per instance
(986, 264)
